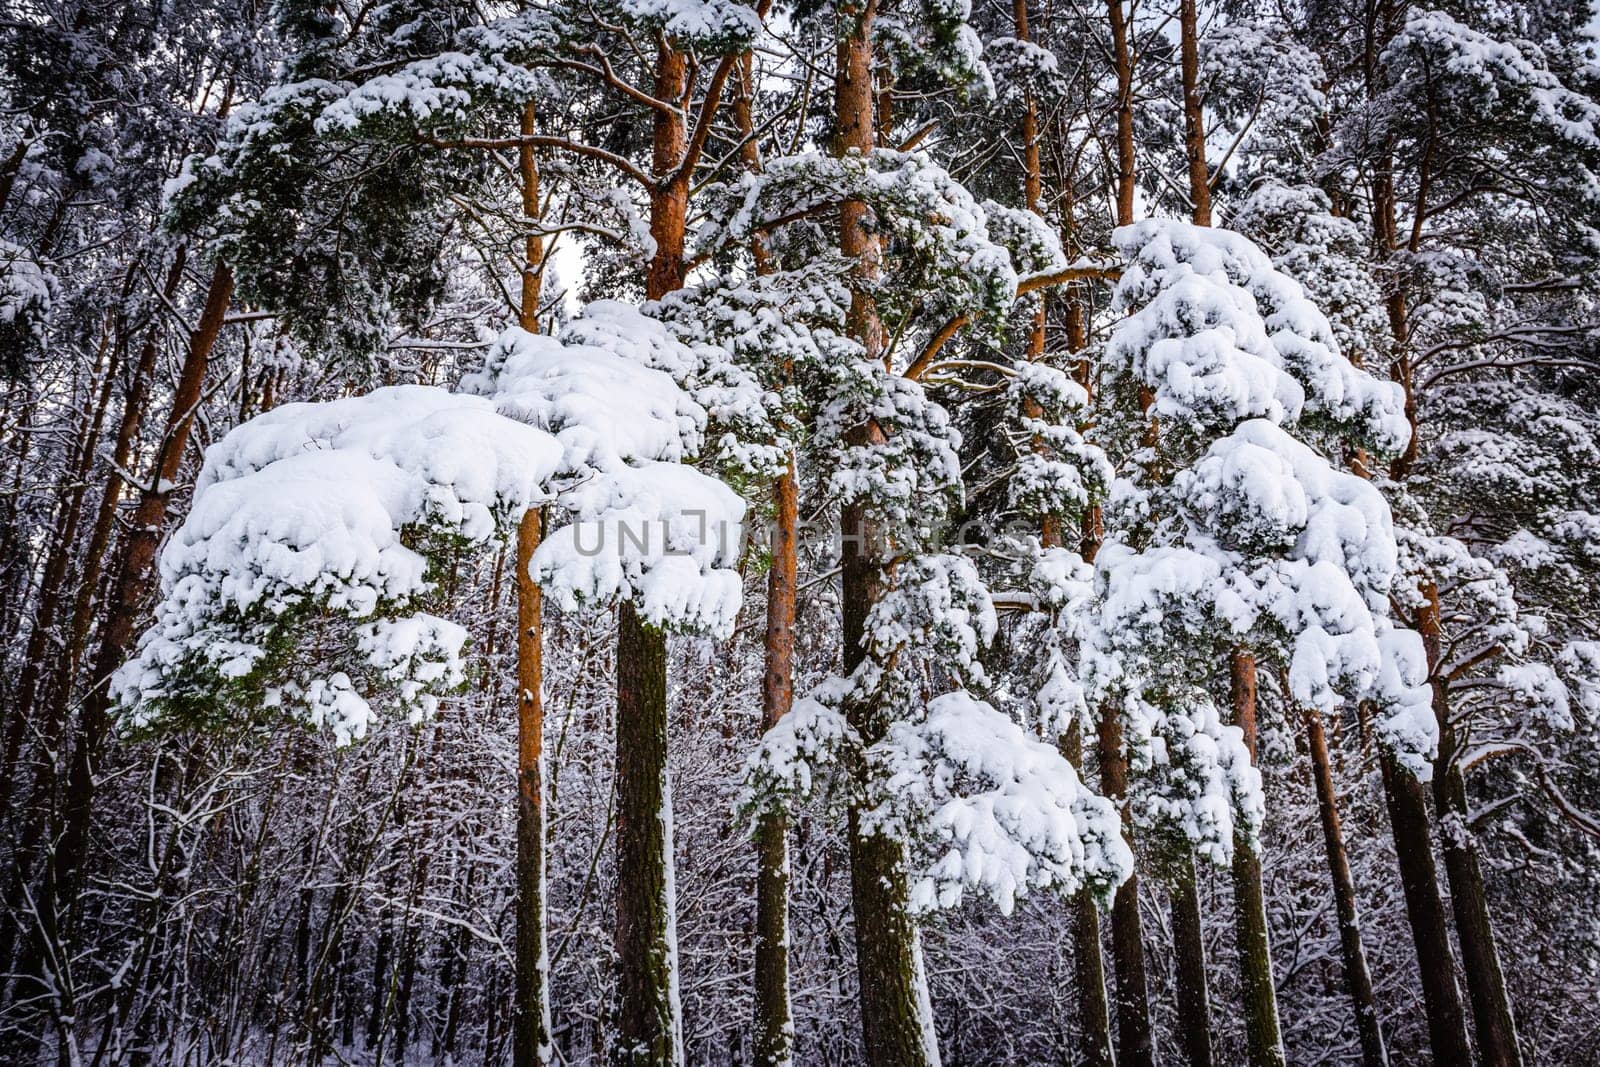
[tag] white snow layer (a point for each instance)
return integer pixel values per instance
(338, 510)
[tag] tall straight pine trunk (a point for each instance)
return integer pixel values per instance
(774, 1031)
(647, 1026)
(1403, 794)
(1255, 950)
(531, 1009)
(1088, 963)
(774, 1028)
(1188, 930)
(1189, 948)
(1135, 1047)
(895, 1018)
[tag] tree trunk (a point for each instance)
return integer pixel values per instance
(62, 864)
(1188, 931)
(1088, 963)
(774, 1028)
(133, 411)
(1491, 1005)
(1408, 820)
(1134, 1045)
(774, 1032)
(531, 1007)
(648, 1030)
(646, 1017)
(31, 837)
(895, 1015)
(1255, 949)
(1088, 958)
(1403, 794)
(1356, 977)
(1189, 946)
(1194, 130)
(1122, 60)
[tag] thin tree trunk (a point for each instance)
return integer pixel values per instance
(774, 1033)
(1188, 931)
(36, 657)
(1255, 950)
(774, 1028)
(1194, 129)
(1122, 61)
(1356, 977)
(531, 1010)
(1189, 948)
(1486, 988)
(895, 1016)
(1135, 1048)
(1089, 969)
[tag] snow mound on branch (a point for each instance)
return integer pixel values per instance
(720, 24)
(1193, 774)
(606, 405)
(984, 805)
(334, 518)
(328, 509)
(940, 226)
(800, 752)
(1220, 336)
(642, 525)
(439, 90)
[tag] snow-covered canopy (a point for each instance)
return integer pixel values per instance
(318, 530)
(1235, 532)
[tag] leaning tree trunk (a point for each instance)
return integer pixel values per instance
(1403, 794)
(1255, 949)
(26, 851)
(648, 1030)
(133, 411)
(531, 1011)
(1408, 821)
(132, 589)
(1486, 986)
(896, 1020)
(1357, 979)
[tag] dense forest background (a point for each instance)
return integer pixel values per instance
(926, 268)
